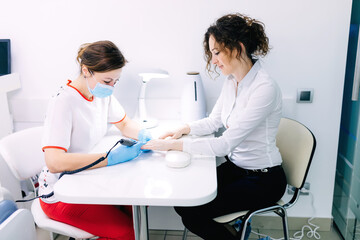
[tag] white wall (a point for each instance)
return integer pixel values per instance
(309, 40)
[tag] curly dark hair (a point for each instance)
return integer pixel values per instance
(101, 56)
(231, 30)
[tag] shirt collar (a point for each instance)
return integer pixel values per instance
(249, 76)
(87, 99)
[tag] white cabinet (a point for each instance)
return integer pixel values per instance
(8, 83)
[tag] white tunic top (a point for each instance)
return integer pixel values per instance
(75, 124)
(251, 113)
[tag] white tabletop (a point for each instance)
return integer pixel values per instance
(145, 180)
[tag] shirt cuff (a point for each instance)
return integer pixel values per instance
(191, 125)
(187, 145)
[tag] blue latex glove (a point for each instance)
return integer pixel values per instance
(144, 136)
(123, 153)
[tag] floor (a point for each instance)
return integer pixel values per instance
(177, 235)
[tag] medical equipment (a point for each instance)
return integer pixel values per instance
(125, 142)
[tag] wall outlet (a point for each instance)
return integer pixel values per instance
(305, 190)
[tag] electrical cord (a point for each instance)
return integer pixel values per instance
(126, 142)
(312, 232)
(300, 234)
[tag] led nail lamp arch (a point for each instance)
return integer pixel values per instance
(145, 121)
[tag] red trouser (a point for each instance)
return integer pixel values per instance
(104, 221)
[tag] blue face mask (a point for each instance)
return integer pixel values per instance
(101, 90)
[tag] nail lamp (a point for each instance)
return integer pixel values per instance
(145, 121)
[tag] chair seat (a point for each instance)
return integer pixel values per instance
(230, 217)
(43, 221)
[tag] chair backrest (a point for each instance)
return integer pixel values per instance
(5, 194)
(22, 152)
(296, 144)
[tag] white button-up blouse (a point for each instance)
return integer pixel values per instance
(250, 112)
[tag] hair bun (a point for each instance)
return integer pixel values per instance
(100, 56)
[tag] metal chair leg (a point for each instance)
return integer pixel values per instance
(285, 225)
(283, 214)
(243, 228)
(185, 234)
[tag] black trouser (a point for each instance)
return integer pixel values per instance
(237, 190)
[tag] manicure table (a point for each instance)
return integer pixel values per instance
(141, 182)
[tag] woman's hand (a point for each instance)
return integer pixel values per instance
(177, 133)
(164, 145)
